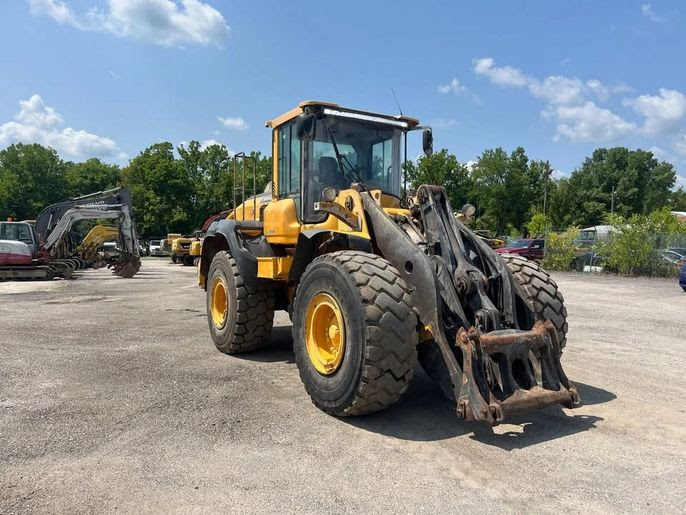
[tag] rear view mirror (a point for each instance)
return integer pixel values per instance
(306, 127)
(428, 142)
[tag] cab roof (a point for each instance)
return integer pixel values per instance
(289, 115)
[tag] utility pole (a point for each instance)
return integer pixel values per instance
(612, 201)
(546, 173)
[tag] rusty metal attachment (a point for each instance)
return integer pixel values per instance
(511, 371)
(485, 351)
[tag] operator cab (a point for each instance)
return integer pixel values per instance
(321, 145)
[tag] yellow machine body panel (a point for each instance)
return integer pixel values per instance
(95, 238)
(181, 245)
(281, 225)
(274, 267)
(196, 248)
(250, 209)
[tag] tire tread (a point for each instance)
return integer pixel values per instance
(542, 291)
(391, 332)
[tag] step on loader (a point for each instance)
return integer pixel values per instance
(375, 278)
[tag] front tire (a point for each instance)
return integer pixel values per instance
(354, 333)
(240, 316)
(540, 293)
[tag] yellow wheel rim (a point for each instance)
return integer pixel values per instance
(219, 302)
(325, 334)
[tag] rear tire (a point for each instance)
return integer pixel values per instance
(248, 312)
(379, 327)
(540, 292)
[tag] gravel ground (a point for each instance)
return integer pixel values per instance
(112, 397)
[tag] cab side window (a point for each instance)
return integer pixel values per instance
(289, 162)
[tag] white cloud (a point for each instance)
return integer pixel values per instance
(55, 9)
(208, 143)
(442, 123)
(577, 118)
(454, 87)
(114, 75)
(559, 174)
(37, 123)
(680, 144)
(621, 88)
(662, 155)
(647, 11)
(501, 75)
(163, 22)
(662, 112)
(556, 89)
(233, 122)
(34, 112)
(598, 88)
(587, 123)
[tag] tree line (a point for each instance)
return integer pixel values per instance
(172, 191)
(176, 189)
(508, 190)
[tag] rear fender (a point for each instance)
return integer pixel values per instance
(222, 235)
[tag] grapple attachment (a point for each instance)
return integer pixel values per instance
(485, 350)
(510, 371)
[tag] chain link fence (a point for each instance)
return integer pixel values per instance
(623, 252)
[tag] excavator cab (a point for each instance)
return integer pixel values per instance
(375, 278)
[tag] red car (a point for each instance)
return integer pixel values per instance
(526, 247)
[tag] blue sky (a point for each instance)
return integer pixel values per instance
(107, 78)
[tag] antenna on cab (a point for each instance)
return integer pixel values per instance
(396, 102)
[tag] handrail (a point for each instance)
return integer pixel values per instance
(242, 157)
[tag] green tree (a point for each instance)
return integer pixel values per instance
(560, 249)
(537, 225)
(677, 200)
(444, 169)
(90, 176)
(162, 191)
(619, 180)
(31, 177)
(636, 242)
(501, 185)
(210, 172)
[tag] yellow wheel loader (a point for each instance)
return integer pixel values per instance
(375, 278)
(180, 249)
(168, 245)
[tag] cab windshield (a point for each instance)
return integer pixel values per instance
(518, 244)
(16, 231)
(346, 151)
